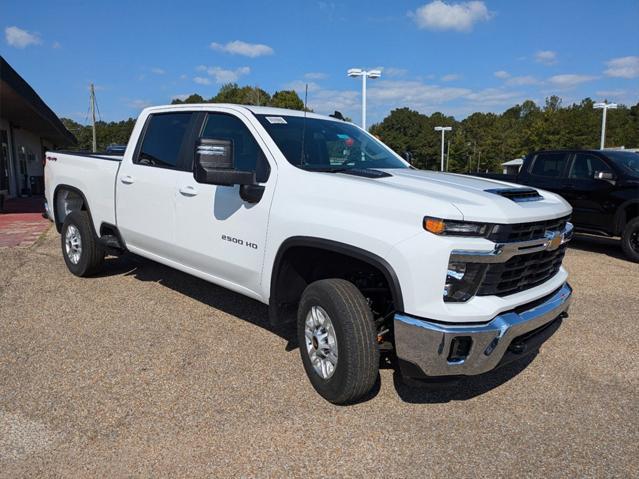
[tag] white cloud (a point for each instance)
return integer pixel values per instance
(219, 74)
(413, 93)
(451, 77)
(183, 76)
(502, 74)
(158, 71)
(522, 80)
(138, 104)
(611, 93)
(328, 101)
(624, 67)
(547, 57)
(239, 47)
(569, 80)
(395, 72)
(300, 86)
(439, 15)
(19, 38)
(56, 45)
(493, 97)
(315, 76)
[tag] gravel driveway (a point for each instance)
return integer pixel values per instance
(146, 371)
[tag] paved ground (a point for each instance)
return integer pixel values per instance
(21, 222)
(149, 372)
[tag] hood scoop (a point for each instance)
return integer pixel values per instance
(518, 195)
(366, 173)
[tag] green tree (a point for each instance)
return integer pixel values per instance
(287, 99)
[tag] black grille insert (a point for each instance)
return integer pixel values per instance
(524, 271)
(526, 231)
(521, 272)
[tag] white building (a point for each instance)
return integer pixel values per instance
(28, 128)
(512, 167)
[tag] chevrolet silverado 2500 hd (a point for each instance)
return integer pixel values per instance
(453, 275)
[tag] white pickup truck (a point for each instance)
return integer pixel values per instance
(448, 274)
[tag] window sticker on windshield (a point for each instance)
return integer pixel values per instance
(276, 120)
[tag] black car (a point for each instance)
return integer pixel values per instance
(601, 185)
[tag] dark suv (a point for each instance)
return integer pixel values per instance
(601, 185)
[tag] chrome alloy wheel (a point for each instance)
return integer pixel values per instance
(73, 244)
(321, 342)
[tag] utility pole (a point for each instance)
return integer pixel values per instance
(478, 161)
(604, 106)
(92, 100)
(447, 155)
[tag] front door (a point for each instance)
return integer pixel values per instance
(590, 197)
(217, 232)
(147, 185)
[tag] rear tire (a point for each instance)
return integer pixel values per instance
(340, 355)
(82, 253)
(630, 240)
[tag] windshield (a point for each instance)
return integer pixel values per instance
(328, 145)
(625, 159)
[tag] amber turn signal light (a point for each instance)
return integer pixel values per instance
(434, 225)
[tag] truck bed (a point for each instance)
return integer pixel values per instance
(91, 174)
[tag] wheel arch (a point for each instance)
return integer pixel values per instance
(329, 246)
(625, 212)
(58, 216)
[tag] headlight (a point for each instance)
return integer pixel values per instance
(462, 281)
(439, 226)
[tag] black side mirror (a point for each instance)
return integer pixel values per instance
(215, 165)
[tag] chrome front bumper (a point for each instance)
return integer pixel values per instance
(427, 345)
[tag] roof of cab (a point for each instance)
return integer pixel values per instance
(257, 110)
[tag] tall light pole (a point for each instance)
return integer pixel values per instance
(604, 106)
(358, 72)
(443, 129)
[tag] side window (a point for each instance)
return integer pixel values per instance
(163, 138)
(248, 154)
(549, 164)
(585, 166)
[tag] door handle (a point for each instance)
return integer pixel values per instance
(188, 190)
(127, 180)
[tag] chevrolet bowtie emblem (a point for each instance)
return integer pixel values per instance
(554, 240)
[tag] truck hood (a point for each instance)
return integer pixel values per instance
(470, 196)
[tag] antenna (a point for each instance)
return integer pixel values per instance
(92, 100)
(304, 125)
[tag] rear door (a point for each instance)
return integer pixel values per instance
(146, 185)
(590, 197)
(548, 172)
(217, 233)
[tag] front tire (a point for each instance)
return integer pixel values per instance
(82, 253)
(630, 240)
(337, 340)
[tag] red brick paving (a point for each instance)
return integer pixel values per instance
(21, 223)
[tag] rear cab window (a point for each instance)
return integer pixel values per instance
(163, 140)
(549, 165)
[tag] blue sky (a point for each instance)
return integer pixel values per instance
(453, 57)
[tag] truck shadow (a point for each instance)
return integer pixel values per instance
(256, 313)
(459, 390)
(598, 244)
(229, 302)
